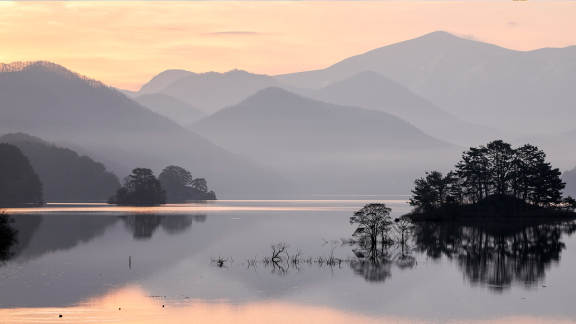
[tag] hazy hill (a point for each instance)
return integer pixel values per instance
(570, 178)
(317, 143)
(63, 107)
(478, 82)
(162, 80)
(210, 91)
(374, 91)
(175, 109)
(65, 175)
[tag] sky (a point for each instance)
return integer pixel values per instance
(124, 44)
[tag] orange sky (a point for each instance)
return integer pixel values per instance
(126, 43)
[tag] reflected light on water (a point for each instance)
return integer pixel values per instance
(132, 305)
(215, 206)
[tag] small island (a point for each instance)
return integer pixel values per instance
(174, 185)
(495, 181)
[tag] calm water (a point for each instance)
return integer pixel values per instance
(99, 264)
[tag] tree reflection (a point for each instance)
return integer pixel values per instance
(7, 236)
(143, 226)
(496, 255)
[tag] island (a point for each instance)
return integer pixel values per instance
(493, 181)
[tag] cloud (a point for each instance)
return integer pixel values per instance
(235, 33)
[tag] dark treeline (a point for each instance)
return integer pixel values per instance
(65, 175)
(175, 184)
(181, 186)
(497, 176)
(19, 183)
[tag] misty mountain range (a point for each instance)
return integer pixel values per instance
(368, 124)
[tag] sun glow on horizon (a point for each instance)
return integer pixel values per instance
(124, 44)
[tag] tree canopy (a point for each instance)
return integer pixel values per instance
(19, 183)
(494, 170)
(140, 188)
(180, 186)
(373, 221)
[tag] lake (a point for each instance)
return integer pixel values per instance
(206, 263)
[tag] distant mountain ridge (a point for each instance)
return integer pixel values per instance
(373, 91)
(77, 112)
(570, 178)
(478, 82)
(209, 91)
(313, 141)
(170, 107)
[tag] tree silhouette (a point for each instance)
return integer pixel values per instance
(180, 186)
(19, 184)
(140, 188)
(373, 221)
(494, 173)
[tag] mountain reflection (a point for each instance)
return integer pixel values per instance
(495, 255)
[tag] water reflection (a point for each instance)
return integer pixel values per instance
(143, 226)
(132, 305)
(7, 236)
(84, 264)
(496, 255)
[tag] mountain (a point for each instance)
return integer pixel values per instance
(175, 109)
(476, 81)
(570, 178)
(85, 115)
(317, 143)
(210, 91)
(19, 182)
(374, 91)
(162, 80)
(65, 175)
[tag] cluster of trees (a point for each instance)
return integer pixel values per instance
(181, 186)
(174, 184)
(19, 183)
(375, 225)
(496, 170)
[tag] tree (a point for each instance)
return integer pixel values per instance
(493, 172)
(373, 220)
(434, 191)
(140, 188)
(569, 203)
(548, 186)
(19, 183)
(499, 156)
(176, 180)
(180, 186)
(473, 170)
